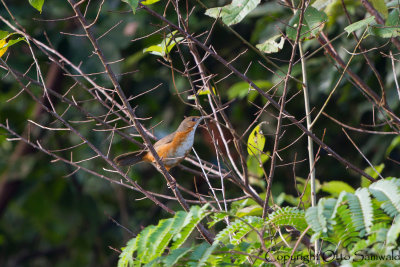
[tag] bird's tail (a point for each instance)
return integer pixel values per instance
(130, 158)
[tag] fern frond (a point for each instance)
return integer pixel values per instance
(379, 214)
(195, 215)
(288, 216)
(197, 254)
(393, 232)
(315, 218)
(126, 256)
(207, 253)
(239, 228)
(339, 202)
(142, 244)
(166, 229)
(175, 255)
(388, 192)
(152, 241)
(361, 208)
(344, 231)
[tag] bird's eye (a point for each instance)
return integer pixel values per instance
(194, 119)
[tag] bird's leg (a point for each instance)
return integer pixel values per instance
(171, 184)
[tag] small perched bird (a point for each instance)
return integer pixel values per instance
(172, 149)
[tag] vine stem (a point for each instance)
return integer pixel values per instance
(309, 141)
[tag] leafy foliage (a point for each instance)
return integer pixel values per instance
(234, 12)
(312, 24)
(151, 243)
(37, 4)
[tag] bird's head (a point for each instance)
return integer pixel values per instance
(190, 123)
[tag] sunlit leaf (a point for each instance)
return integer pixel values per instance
(149, 2)
(204, 91)
(133, 3)
(165, 47)
(256, 141)
(234, 12)
(360, 24)
(255, 166)
(270, 45)
(155, 50)
(3, 34)
(3, 43)
(313, 22)
(256, 157)
(254, 210)
(336, 187)
(370, 171)
(37, 4)
(242, 89)
(395, 143)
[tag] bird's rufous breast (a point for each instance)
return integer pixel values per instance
(173, 153)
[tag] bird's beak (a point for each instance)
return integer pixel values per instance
(200, 119)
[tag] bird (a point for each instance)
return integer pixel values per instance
(172, 149)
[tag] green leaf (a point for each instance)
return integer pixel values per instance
(384, 31)
(288, 216)
(149, 2)
(369, 170)
(14, 41)
(360, 205)
(359, 24)
(206, 254)
(155, 50)
(379, 168)
(3, 34)
(234, 12)
(380, 6)
(175, 255)
(194, 216)
(388, 192)
(133, 3)
(315, 219)
(255, 166)
(204, 91)
(321, 4)
(3, 47)
(199, 253)
(254, 210)
(395, 143)
(143, 243)
(336, 187)
(37, 4)
(165, 47)
(4, 44)
(238, 229)
(256, 141)
(393, 18)
(270, 45)
(313, 23)
(243, 89)
(393, 232)
(126, 256)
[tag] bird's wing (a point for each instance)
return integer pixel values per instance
(165, 140)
